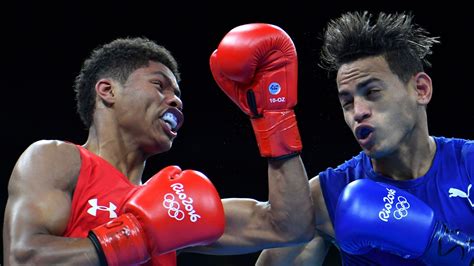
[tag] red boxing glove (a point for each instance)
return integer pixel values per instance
(174, 209)
(257, 67)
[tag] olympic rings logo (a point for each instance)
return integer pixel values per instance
(173, 207)
(171, 203)
(402, 208)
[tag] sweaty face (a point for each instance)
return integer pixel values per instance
(149, 107)
(378, 107)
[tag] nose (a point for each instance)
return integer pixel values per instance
(361, 110)
(174, 101)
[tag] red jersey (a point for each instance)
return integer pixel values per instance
(98, 197)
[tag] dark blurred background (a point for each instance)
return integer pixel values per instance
(44, 45)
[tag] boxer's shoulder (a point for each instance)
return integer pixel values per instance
(49, 162)
(52, 151)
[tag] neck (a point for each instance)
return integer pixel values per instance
(114, 148)
(410, 161)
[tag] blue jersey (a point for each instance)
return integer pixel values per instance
(446, 188)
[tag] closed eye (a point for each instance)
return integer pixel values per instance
(346, 100)
(158, 83)
(373, 94)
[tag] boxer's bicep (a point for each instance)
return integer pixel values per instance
(39, 197)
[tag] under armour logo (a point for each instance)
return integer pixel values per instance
(454, 192)
(93, 210)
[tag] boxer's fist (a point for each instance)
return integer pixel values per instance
(257, 59)
(376, 215)
(372, 215)
(174, 209)
(256, 66)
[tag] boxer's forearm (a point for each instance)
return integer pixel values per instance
(291, 206)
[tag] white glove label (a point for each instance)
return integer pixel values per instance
(274, 88)
(278, 100)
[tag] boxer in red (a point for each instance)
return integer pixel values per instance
(86, 204)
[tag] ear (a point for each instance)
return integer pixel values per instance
(105, 91)
(423, 88)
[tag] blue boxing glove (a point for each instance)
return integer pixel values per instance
(376, 215)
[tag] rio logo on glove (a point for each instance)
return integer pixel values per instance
(401, 206)
(274, 88)
(173, 206)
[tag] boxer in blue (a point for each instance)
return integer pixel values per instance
(406, 198)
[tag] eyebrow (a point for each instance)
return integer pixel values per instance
(360, 86)
(175, 89)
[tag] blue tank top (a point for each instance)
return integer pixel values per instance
(446, 188)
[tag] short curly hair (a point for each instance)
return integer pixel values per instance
(356, 35)
(117, 60)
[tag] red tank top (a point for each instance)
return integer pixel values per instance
(98, 197)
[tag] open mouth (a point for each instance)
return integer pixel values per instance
(363, 132)
(173, 118)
